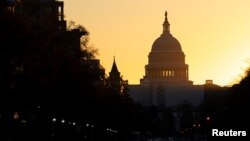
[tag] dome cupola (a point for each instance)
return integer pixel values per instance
(166, 42)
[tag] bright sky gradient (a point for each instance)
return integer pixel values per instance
(214, 34)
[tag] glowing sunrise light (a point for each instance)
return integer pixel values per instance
(213, 34)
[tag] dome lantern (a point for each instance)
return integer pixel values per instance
(166, 25)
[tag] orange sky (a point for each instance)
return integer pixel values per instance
(214, 34)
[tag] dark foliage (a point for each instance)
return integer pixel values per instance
(44, 75)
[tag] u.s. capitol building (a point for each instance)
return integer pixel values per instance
(166, 81)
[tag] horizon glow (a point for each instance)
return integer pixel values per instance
(214, 35)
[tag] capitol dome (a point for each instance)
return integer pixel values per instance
(166, 43)
(166, 60)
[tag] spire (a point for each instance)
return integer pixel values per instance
(114, 69)
(166, 24)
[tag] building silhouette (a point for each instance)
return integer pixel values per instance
(116, 81)
(166, 61)
(50, 66)
(166, 80)
(114, 75)
(47, 14)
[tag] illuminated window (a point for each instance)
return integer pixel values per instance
(54, 119)
(63, 121)
(15, 116)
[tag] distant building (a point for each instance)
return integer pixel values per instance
(166, 61)
(215, 97)
(115, 80)
(45, 20)
(39, 13)
(166, 81)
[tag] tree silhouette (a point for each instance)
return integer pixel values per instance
(226, 107)
(239, 100)
(41, 66)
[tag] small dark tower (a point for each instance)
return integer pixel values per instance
(114, 77)
(115, 80)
